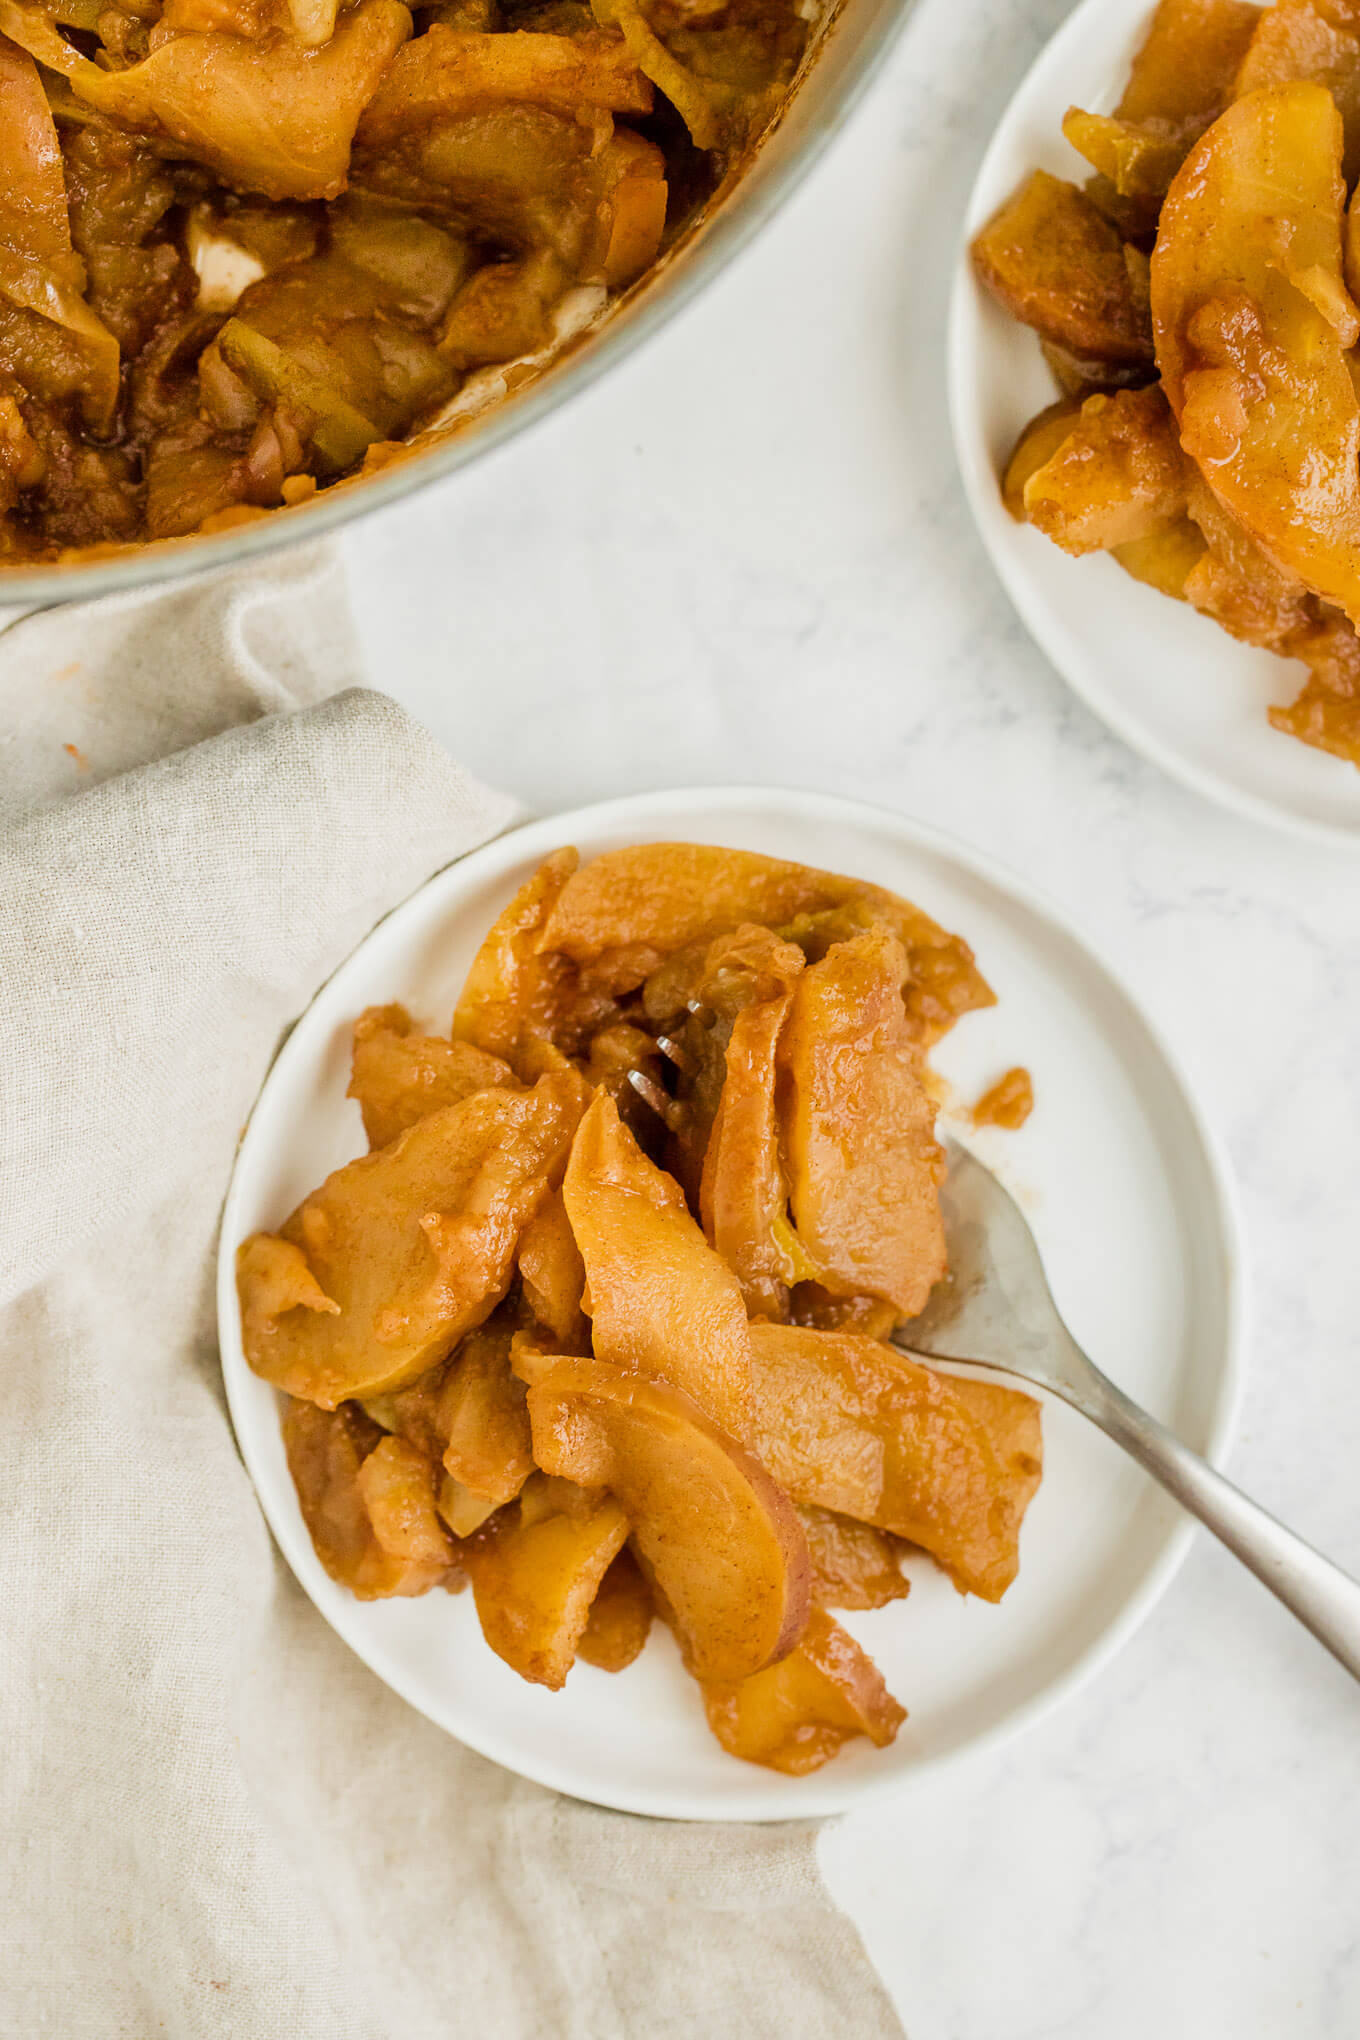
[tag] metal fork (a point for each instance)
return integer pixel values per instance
(995, 1310)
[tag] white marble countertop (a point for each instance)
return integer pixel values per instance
(746, 556)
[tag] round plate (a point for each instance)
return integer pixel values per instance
(1170, 682)
(1132, 1208)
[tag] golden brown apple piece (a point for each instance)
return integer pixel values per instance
(553, 1274)
(414, 1245)
(620, 1617)
(798, 1714)
(722, 1548)
(660, 1299)
(513, 992)
(743, 1194)
(445, 72)
(468, 1415)
(1253, 323)
(265, 115)
(1165, 559)
(367, 1501)
(1138, 158)
(1037, 444)
(941, 984)
(1118, 475)
(399, 1076)
(857, 1129)
(1294, 40)
(817, 1308)
(1056, 264)
(416, 1413)
(1327, 713)
(853, 1564)
(535, 1570)
(1187, 65)
(1239, 586)
(661, 897)
(487, 1447)
(846, 1423)
(1182, 78)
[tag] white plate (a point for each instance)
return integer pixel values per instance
(1171, 683)
(1133, 1210)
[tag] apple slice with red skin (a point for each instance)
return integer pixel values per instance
(721, 1545)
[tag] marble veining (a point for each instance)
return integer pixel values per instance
(745, 556)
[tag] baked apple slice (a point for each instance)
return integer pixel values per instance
(1117, 476)
(367, 1501)
(620, 1617)
(743, 1194)
(513, 993)
(643, 903)
(399, 1076)
(853, 1564)
(660, 1299)
(378, 1274)
(535, 1571)
(858, 1129)
(845, 1423)
(1185, 69)
(553, 1273)
(1293, 40)
(487, 1447)
(796, 1715)
(1253, 324)
(1056, 264)
(721, 1546)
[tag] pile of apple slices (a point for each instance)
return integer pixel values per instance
(598, 1326)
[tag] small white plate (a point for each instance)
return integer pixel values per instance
(1131, 1204)
(1172, 684)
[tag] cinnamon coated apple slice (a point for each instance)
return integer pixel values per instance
(796, 1715)
(378, 1274)
(535, 1571)
(660, 1299)
(399, 1076)
(512, 995)
(858, 1128)
(553, 1273)
(721, 1546)
(846, 1423)
(367, 1501)
(853, 1564)
(743, 1194)
(655, 898)
(620, 1617)
(1253, 326)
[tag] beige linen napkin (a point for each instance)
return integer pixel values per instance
(213, 1820)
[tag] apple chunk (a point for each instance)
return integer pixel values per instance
(743, 1195)
(1253, 323)
(398, 1076)
(721, 1546)
(367, 1501)
(655, 898)
(858, 1128)
(620, 1617)
(659, 1298)
(377, 1275)
(796, 1715)
(512, 995)
(853, 1564)
(535, 1571)
(845, 1423)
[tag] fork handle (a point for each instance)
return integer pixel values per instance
(1325, 1599)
